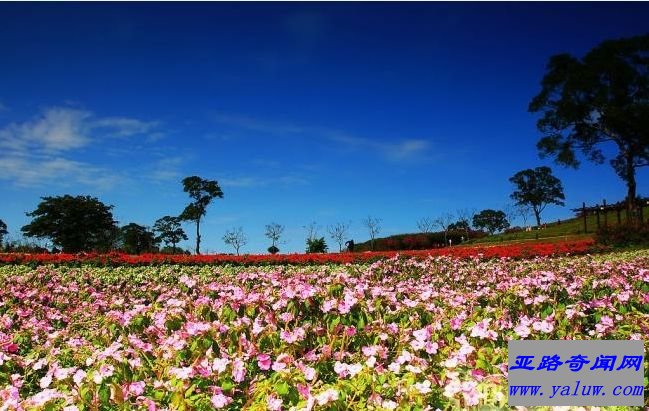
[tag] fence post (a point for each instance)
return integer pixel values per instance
(597, 214)
(605, 214)
(583, 212)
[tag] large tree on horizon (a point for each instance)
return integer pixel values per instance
(169, 231)
(137, 239)
(537, 188)
(202, 192)
(80, 223)
(596, 102)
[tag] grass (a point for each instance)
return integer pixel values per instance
(571, 229)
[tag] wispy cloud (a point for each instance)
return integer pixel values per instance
(398, 150)
(23, 171)
(167, 169)
(253, 181)
(38, 151)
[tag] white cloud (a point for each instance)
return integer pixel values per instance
(167, 169)
(58, 129)
(37, 152)
(399, 150)
(25, 172)
(248, 181)
(125, 127)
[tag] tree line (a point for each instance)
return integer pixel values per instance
(84, 223)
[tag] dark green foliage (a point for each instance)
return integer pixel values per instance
(202, 192)
(418, 241)
(491, 220)
(599, 100)
(537, 188)
(3, 231)
(623, 235)
(316, 245)
(273, 249)
(169, 231)
(459, 225)
(137, 239)
(75, 224)
(173, 250)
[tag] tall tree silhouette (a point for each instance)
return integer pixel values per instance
(599, 100)
(202, 192)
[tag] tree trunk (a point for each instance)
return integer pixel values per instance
(198, 237)
(173, 248)
(537, 214)
(631, 188)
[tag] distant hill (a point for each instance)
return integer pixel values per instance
(571, 228)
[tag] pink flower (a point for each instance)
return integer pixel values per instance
(46, 381)
(136, 388)
(264, 361)
(423, 387)
(389, 405)
(219, 400)
(274, 403)
(522, 331)
(327, 396)
(220, 364)
(182, 373)
(341, 369)
(238, 370)
(44, 397)
(309, 373)
(304, 390)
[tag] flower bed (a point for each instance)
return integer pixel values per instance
(409, 334)
(510, 250)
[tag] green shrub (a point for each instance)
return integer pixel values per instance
(316, 245)
(623, 235)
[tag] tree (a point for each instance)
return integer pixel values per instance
(338, 232)
(464, 219)
(235, 238)
(373, 225)
(137, 239)
(316, 245)
(426, 225)
(75, 224)
(3, 231)
(311, 230)
(274, 233)
(443, 222)
(537, 188)
(601, 99)
(203, 192)
(491, 220)
(169, 231)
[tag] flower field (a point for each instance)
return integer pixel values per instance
(485, 251)
(412, 334)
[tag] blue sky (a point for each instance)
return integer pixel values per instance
(325, 112)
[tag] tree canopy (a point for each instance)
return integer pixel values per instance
(137, 239)
(491, 220)
(202, 192)
(169, 231)
(601, 100)
(3, 231)
(75, 224)
(316, 245)
(537, 188)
